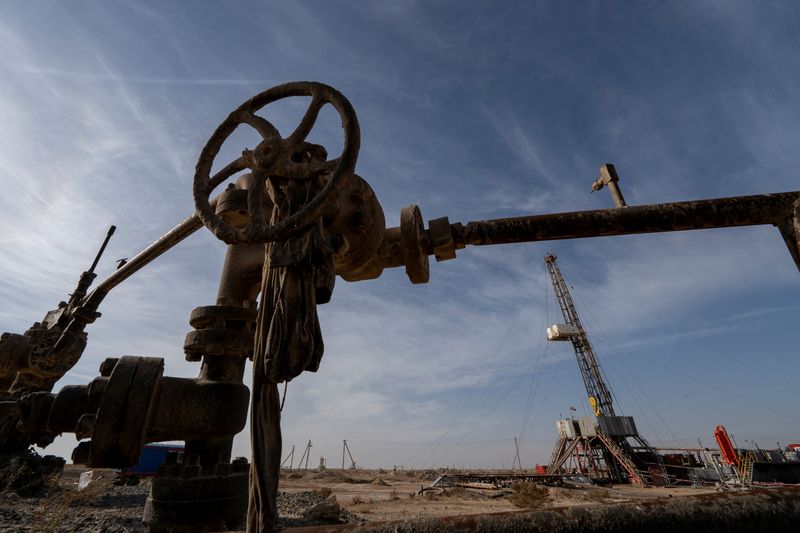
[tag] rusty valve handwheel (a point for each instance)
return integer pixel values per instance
(279, 157)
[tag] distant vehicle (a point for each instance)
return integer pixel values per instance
(577, 481)
(153, 456)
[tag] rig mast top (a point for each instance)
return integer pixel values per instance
(599, 395)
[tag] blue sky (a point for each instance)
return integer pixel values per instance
(470, 110)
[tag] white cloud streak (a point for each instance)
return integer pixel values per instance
(99, 131)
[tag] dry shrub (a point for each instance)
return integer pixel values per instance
(27, 477)
(362, 506)
(457, 492)
(529, 495)
(394, 495)
(425, 474)
(594, 495)
(325, 492)
(63, 502)
(10, 479)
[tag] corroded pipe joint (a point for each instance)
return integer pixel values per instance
(220, 330)
(135, 405)
(14, 352)
(73, 402)
(185, 496)
(218, 409)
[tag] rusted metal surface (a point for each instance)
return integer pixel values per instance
(120, 425)
(415, 243)
(780, 209)
(132, 403)
(143, 258)
(187, 497)
(609, 178)
(288, 158)
(135, 404)
(355, 228)
(32, 362)
(152, 252)
(790, 231)
(773, 209)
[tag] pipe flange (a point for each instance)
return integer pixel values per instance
(221, 316)
(415, 243)
(228, 342)
(119, 431)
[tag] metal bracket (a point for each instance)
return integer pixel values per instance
(608, 177)
(790, 231)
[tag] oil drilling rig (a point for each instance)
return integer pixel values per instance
(294, 220)
(604, 446)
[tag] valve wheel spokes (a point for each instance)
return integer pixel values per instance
(309, 119)
(279, 157)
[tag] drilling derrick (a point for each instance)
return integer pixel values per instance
(603, 446)
(599, 397)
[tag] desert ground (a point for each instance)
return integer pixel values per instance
(308, 498)
(385, 495)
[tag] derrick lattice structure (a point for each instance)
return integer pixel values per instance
(604, 445)
(602, 402)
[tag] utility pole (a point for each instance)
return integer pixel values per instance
(517, 460)
(306, 455)
(289, 457)
(346, 448)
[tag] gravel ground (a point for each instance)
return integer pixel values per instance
(100, 508)
(106, 508)
(308, 499)
(312, 508)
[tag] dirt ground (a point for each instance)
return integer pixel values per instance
(367, 495)
(379, 495)
(63, 508)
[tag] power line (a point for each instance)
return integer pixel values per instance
(535, 375)
(740, 396)
(685, 330)
(469, 397)
(484, 417)
(633, 396)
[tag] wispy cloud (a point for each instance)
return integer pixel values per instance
(106, 76)
(472, 113)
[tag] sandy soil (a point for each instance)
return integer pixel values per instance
(371, 495)
(387, 495)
